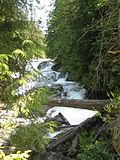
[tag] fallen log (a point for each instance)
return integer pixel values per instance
(62, 138)
(83, 104)
(69, 134)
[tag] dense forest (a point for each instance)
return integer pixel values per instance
(84, 39)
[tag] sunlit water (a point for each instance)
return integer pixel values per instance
(47, 77)
(50, 77)
(73, 90)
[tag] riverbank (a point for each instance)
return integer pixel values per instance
(95, 143)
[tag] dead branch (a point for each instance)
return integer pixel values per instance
(69, 134)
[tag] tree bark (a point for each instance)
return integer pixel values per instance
(83, 104)
(116, 128)
(69, 134)
(119, 24)
(116, 135)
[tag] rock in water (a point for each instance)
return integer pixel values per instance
(56, 90)
(116, 135)
(56, 67)
(42, 65)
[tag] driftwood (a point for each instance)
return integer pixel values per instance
(65, 136)
(66, 126)
(83, 104)
(69, 134)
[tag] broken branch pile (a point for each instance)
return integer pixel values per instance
(69, 134)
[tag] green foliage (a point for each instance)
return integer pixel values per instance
(31, 104)
(17, 156)
(113, 108)
(31, 137)
(4, 69)
(20, 41)
(80, 34)
(101, 150)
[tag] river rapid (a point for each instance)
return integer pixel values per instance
(46, 76)
(70, 90)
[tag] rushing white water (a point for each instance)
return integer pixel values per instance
(71, 90)
(50, 77)
(73, 115)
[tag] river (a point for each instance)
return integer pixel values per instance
(70, 90)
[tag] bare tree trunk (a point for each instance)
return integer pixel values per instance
(119, 24)
(116, 128)
(116, 135)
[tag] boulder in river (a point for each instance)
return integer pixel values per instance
(56, 89)
(62, 75)
(44, 64)
(56, 67)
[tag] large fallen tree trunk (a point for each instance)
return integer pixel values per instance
(84, 104)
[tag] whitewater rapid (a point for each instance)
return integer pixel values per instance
(48, 77)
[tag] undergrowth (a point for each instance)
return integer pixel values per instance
(100, 150)
(103, 148)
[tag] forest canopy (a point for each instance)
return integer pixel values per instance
(21, 39)
(83, 37)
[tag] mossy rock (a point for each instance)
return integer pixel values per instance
(116, 135)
